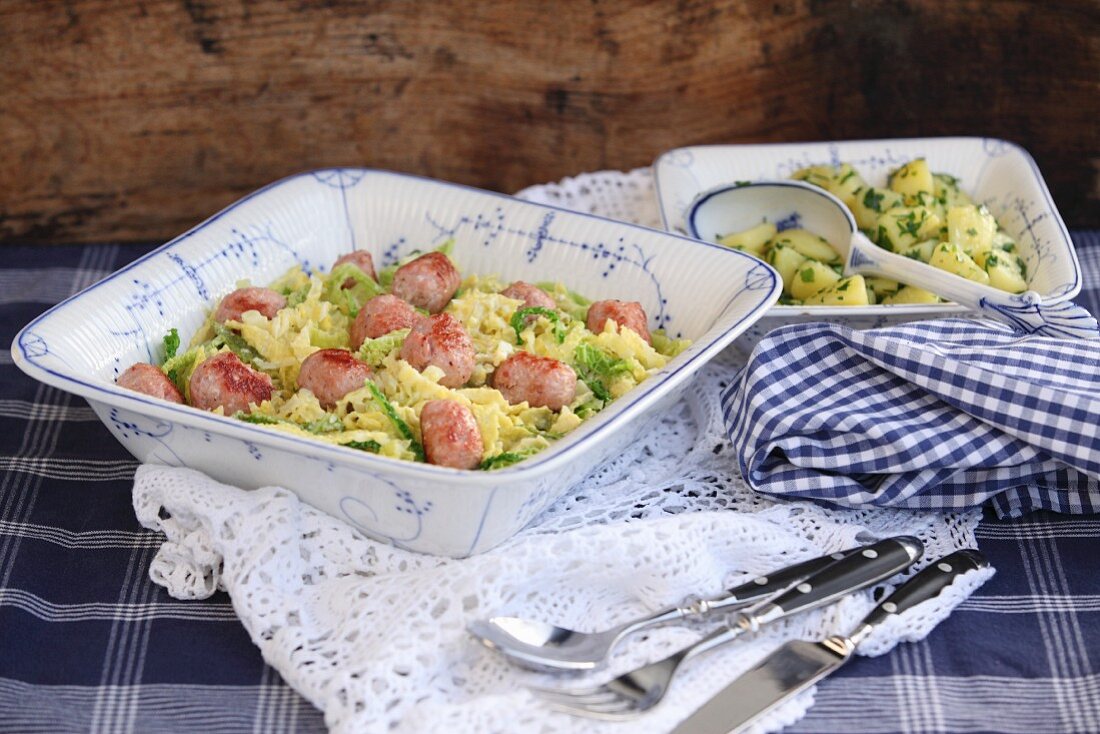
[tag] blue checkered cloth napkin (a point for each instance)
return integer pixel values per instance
(933, 415)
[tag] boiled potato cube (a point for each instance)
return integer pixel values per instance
(1004, 243)
(786, 260)
(912, 180)
(812, 276)
(817, 175)
(752, 240)
(971, 228)
(906, 225)
(946, 189)
(872, 202)
(882, 286)
(809, 244)
(850, 291)
(912, 294)
(951, 258)
(920, 251)
(934, 205)
(846, 185)
(1004, 271)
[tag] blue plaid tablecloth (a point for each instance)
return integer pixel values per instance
(88, 643)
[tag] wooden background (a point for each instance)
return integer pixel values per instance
(135, 120)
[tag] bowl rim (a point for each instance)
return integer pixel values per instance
(780, 310)
(547, 461)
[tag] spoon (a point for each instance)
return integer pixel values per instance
(737, 207)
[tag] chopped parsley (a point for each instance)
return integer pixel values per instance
(911, 223)
(807, 275)
(873, 200)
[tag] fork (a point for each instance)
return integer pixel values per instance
(639, 690)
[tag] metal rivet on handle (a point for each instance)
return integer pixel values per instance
(869, 553)
(945, 567)
(837, 556)
(890, 607)
(761, 580)
(804, 588)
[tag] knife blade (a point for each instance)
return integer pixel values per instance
(799, 664)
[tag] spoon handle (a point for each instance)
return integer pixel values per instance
(1024, 312)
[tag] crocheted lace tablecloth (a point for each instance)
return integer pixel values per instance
(375, 636)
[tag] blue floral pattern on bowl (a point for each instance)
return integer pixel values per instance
(83, 343)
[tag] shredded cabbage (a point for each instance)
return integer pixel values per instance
(383, 417)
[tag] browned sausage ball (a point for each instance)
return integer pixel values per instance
(441, 340)
(330, 374)
(531, 295)
(450, 434)
(381, 315)
(264, 300)
(148, 379)
(427, 282)
(628, 314)
(225, 381)
(541, 381)
(360, 259)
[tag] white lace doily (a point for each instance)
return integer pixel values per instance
(375, 636)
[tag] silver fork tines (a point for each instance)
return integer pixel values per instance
(620, 698)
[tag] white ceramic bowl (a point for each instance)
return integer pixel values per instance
(703, 292)
(997, 173)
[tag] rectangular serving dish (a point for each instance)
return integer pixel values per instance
(82, 344)
(997, 173)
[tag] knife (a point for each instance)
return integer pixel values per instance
(799, 664)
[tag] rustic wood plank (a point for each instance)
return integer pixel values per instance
(133, 121)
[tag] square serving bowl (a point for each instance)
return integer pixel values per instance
(694, 290)
(999, 174)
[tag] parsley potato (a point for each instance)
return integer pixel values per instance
(920, 214)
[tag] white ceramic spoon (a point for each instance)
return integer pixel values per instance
(737, 207)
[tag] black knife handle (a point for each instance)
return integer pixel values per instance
(926, 585)
(762, 587)
(855, 571)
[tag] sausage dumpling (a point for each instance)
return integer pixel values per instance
(450, 434)
(224, 381)
(531, 295)
(428, 282)
(360, 259)
(381, 315)
(627, 314)
(441, 340)
(541, 381)
(148, 379)
(264, 300)
(330, 374)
